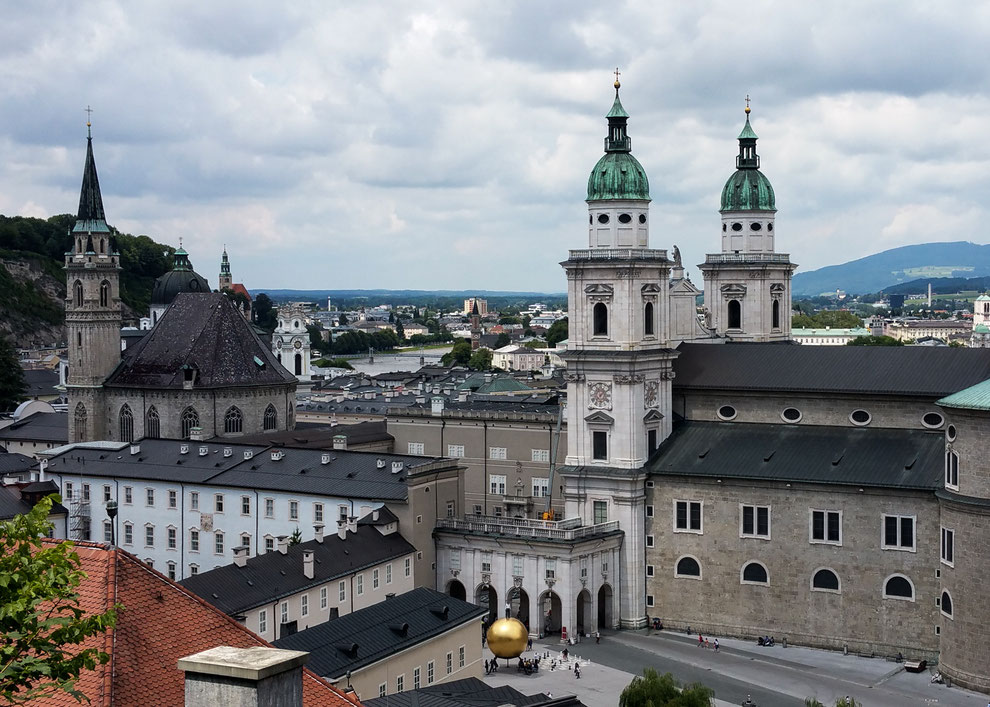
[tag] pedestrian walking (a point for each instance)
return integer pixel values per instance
(577, 672)
(529, 644)
(716, 645)
(598, 636)
(701, 641)
(708, 644)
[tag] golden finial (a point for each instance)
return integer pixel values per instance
(617, 84)
(89, 124)
(747, 104)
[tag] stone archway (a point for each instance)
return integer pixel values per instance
(519, 604)
(486, 597)
(605, 606)
(457, 590)
(584, 615)
(550, 613)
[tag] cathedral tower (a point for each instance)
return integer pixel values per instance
(475, 327)
(92, 309)
(226, 281)
(748, 285)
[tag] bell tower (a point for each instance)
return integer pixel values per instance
(226, 280)
(748, 284)
(92, 308)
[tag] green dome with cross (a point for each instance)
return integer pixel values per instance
(618, 175)
(747, 189)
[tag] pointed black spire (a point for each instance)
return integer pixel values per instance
(90, 200)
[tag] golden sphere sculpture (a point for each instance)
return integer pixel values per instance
(507, 638)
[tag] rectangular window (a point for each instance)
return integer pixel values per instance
(342, 512)
(826, 527)
(342, 591)
(599, 445)
(416, 673)
(284, 612)
(455, 559)
(382, 690)
(477, 509)
(551, 569)
(651, 441)
(451, 509)
(541, 486)
(107, 531)
(67, 489)
(388, 573)
(304, 605)
(170, 571)
(486, 562)
(601, 512)
(496, 484)
(170, 538)
(149, 536)
(173, 498)
(649, 541)
(517, 565)
(754, 521)
(948, 541)
(245, 505)
(194, 541)
(318, 512)
(149, 497)
(649, 600)
(400, 683)
(245, 540)
(128, 495)
(269, 544)
(218, 503)
(293, 510)
(540, 455)
(429, 673)
(649, 570)
(408, 566)
(688, 517)
(218, 543)
(649, 511)
(262, 621)
(106, 494)
(952, 470)
(193, 570)
(455, 451)
(898, 532)
(450, 663)
(460, 657)
(416, 448)
(374, 579)
(323, 598)
(496, 453)
(194, 500)
(360, 584)
(86, 496)
(269, 508)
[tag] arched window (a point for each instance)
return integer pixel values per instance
(126, 424)
(648, 327)
(79, 418)
(775, 314)
(298, 364)
(189, 419)
(271, 418)
(77, 293)
(232, 420)
(825, 580)
(600, 327)
(946, 604)
(898, 586)
(687, 566)
(755, 573)
(735, 314)
(104, 293)
(152, 424)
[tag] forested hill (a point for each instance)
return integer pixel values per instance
(32, 281)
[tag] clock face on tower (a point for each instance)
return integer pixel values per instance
(476, 335)
(600, 396)
(297, 344)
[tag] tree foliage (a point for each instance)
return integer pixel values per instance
(875, 341)
(654, 690)
(836, 319)
(12, 385)
(459, 355)
(334, 363)
(263, 313)
(40, 618)
(557, 332)
(481, 360)
(352, 342)
(502, 340)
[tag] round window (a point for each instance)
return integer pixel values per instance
(723, 228)
(625, 218)
(755, 226)
(737, 227)
(860, 417)
(791, 415)
(642, 218)
(932, 420)
(950, 433)
(726, 412)
(769, 226)
(602, 218)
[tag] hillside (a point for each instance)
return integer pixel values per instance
(877, 272)
(32, 281)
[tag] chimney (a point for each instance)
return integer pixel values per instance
(135, 449)
(396, 467)
(325, 458)
(380, 464)
(240, 556)
(248, 454)
(244, 676)
(204, 450)
(374, 515)
(196, 434)
(277, 455)
(437, 406)
(283, 544)
(340, 441)
(342, 529)
(308, 563)
(352, 524)
(318, 532)
(227, 452)
(183, 449)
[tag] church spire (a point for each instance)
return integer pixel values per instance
(617, 139)
(90, 200)
(224, 263)
(747, 159)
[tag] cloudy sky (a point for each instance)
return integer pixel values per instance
(447, 145)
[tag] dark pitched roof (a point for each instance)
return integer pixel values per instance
(207, 333)
(870, 370)
(271, 576)
(376, 631)
(14, 463)
(321, 436)
(804, 453)
(41, 381)
(470, 692)
(39, 426)
(90, 199)
(11, 503)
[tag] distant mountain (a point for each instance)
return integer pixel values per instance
(873, 273)
(942, 286)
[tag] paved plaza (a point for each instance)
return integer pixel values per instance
(773, 677)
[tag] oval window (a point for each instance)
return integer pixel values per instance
(602, 218)
(791, 415)
(591, 219)
(625, 218)
(932, 420)
(755, 226)
(950, 433)
(860, 417)
(724, 228)
(737, 227)
(769, 226)
(642, 218)
(726, 412)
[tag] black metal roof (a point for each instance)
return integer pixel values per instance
(863, 370)
(378, 631)
(470, 692)
(40, 427)
(40, 381)
(862, 456)
(321, 436)
(90, 199)
(14, 463)
(269, 577)
(204, 332)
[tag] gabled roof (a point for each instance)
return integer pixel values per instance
(976, 397)
(160, 623)
(470, 692)
(204, 332)
(377, 631)
(39, 426)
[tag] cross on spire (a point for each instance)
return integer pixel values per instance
(747, 104)
(617, 84)
(89, 121)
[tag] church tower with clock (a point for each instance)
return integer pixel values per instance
(290, 343)
(619, 356)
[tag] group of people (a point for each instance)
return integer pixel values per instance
(765, 641)
(707, 643)
(528, 666)
(491, 666)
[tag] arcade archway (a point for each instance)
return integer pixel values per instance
(457, 590)
(605, 606)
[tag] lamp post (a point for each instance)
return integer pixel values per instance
(112, 515)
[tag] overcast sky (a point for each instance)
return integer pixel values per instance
(447, 145)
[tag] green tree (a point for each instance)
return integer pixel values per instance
(655, 690)
(12, 385)
(264, 313)
(296, 537)
(481, 360)
(342, 320)
(400, 331)
(502, 340)
(459, 355)
(40, 618)
(557, 332)
(334, 363)
(875, 341)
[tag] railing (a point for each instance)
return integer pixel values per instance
(618, 254)
(568, 529)
(748, 258)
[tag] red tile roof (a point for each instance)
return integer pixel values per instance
(159, 623)
(238, 287)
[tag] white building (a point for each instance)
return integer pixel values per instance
(827, 336)
(290, 342)
(517, 358)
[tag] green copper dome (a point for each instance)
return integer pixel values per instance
(618, 175)
(748, 189)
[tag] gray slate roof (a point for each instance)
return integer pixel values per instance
(869, 370)
(40, 427)
(803, 453)
(268, 577)
(376, 630)
(470, 692)
(320, 436)
(14, 463)
(41, 382)
(204, 331)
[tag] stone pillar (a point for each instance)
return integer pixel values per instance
(244, 677)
